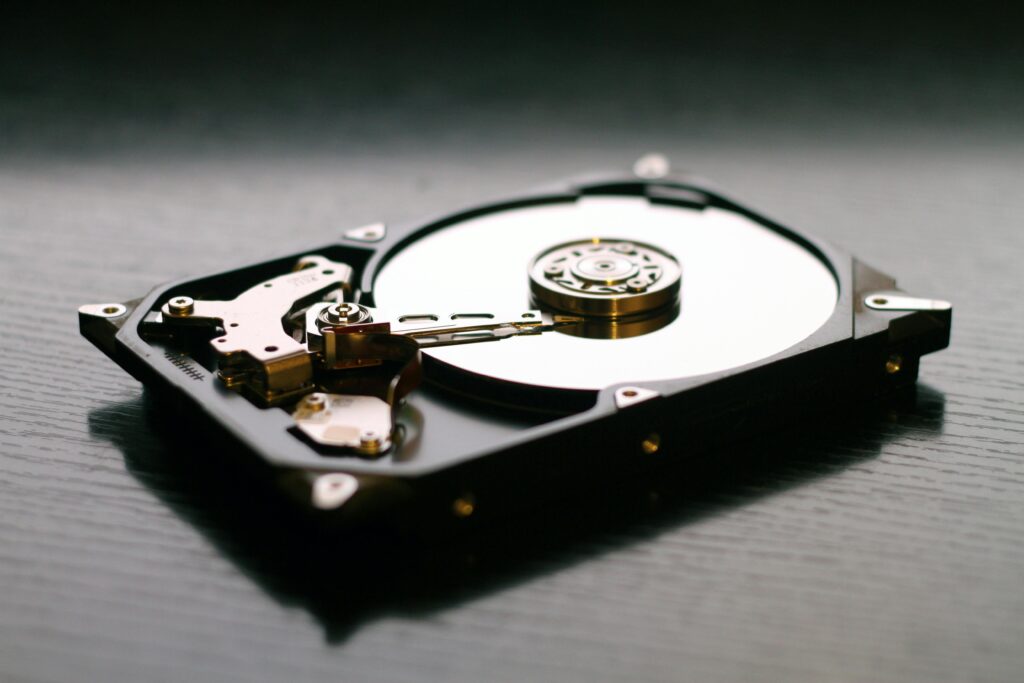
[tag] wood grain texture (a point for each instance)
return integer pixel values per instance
(885, 548)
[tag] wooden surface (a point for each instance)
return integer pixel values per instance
(885, 547)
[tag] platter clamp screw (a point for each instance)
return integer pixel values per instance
(181, 306)
(636, 285)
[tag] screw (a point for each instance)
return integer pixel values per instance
(315, 402)
(553, 270)
(181, 306)
(370, 442)
(894, 364)
(624, 248)
(651, 444)
(636, 285)
(464, 506)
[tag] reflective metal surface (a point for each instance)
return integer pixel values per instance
(604, 277)
(748, 292)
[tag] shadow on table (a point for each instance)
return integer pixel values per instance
(345, 578)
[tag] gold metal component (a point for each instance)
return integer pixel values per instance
(464, 506)
(624, 327)
(605, 278)
(651, 444)
(181, 306)
(314, 403)
(370, 443)
(894, 364)
(898, 301)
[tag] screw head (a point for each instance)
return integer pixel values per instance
(315, 402)
(636, 285)
(181, 305)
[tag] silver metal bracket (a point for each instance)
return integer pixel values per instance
(331, 491)
(898, 301)
(628, 396)
(361, 423)
(374, 232)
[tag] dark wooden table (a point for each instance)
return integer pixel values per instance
(885, 547)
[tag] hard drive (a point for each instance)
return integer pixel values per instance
(461, 367)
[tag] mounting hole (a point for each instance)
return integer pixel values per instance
(222, 340)
(328, 272)
(270, 349)
(630, 393)
(880, 301)
(233, 325)
(528, 315)
(112, 310)
(268, 284)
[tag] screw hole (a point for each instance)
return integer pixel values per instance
(222, 340)
(267, 284)
(233, 325)
(527, 315)
(328, 272)
(629, 393)
(111, 310)
(880, 301)
(270, 349)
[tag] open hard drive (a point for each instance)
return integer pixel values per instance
(455, 367)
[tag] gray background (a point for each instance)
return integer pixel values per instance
(136, 149)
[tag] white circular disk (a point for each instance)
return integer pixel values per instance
(747, 292)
